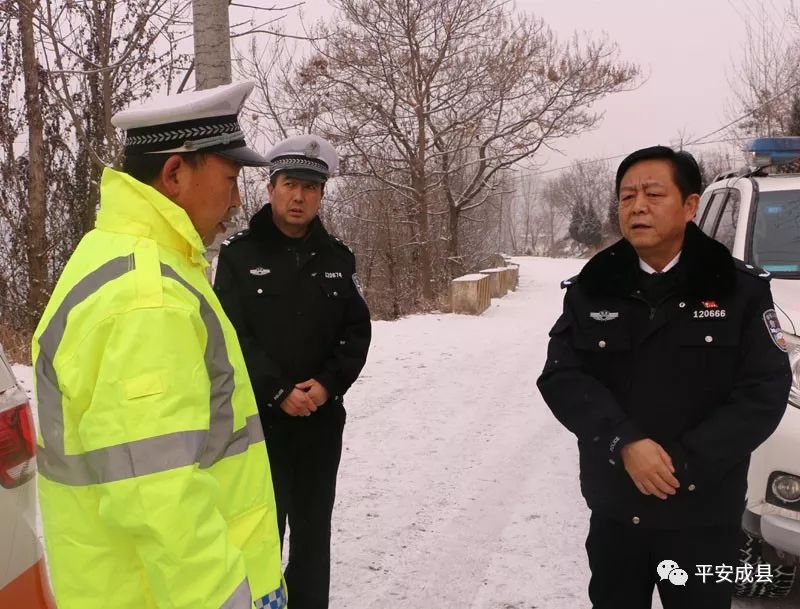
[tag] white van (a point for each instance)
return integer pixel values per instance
(756, 214)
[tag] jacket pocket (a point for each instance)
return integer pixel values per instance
(265, 287)
(708, 355)
(336, 288)
(605, 351)
(709, 335)
(602, 339)
(143, 385)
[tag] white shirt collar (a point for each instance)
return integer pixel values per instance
(650, 270)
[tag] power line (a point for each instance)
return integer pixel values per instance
(619, 156)
(748, 113)
(700, 141)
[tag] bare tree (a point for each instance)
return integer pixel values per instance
(714, 162)
(764, 81)
(579, 197)
(35, 212)
(100, 56)
(285, 101)
(66, 68)
(523, 212)
(372, 220)
(435, 99)
(794, 116)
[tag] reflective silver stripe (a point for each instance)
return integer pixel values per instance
(220, 371)
(150, 455)
(240, 599)
(124, 461)
(142, 457)
(52, 461)
(240, 441)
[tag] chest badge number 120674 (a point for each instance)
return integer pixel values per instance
(710, 310)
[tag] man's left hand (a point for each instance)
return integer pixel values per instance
(318, 394)
(650, 467)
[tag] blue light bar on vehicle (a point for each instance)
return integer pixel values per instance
(771, 151)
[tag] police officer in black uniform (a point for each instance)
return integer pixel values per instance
(669, 366)
(291, 291)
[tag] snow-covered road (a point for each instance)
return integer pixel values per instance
(458, 489)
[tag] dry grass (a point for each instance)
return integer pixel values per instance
(16, 344)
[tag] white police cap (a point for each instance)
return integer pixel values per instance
(305, 157)
(198, 121)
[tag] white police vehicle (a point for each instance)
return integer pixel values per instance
(23, 575)
(755, 212)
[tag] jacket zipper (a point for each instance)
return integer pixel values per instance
(653, 310)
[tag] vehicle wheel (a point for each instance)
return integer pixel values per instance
(783, 576)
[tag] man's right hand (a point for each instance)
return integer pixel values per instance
(298, 404)
(650, 468)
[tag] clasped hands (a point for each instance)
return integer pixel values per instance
(650, 467)
(305, 398)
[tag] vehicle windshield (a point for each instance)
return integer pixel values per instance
(776, 232)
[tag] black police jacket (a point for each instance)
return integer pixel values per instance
(297, 309)
(695, 368)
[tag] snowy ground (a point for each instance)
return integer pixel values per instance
(458, 489)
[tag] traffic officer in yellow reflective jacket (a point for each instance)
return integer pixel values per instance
(155, 486)
(290, 289)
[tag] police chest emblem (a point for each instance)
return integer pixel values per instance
(710, 310)
(260, 271)
(604, 315)
(774, 329)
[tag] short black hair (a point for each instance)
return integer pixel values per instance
(147, 167)
(685, 170)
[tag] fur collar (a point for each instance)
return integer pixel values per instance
(707, 265)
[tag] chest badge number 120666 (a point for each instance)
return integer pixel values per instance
(709, 310)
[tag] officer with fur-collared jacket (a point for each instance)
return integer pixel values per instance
(291, 291)
(669, 365)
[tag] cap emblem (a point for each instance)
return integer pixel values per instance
(312, 149)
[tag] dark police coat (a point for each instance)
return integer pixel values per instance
(696, 369)
(297, 310)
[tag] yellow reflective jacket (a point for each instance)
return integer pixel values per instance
(154, 481)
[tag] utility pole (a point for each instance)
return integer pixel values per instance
(212, 62)
(212, 43)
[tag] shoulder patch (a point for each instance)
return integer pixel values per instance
(236, 236)
(569, 282)
(338, 242)
(751, 269)
(358, 286)
(774, 329)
